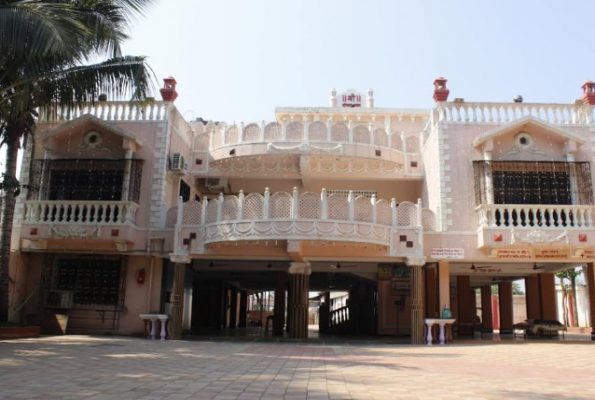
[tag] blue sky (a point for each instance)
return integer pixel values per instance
(236, 60)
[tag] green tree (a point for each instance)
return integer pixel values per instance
(571, 275)
(44, 49)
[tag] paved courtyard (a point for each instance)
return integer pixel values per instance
(102, 368)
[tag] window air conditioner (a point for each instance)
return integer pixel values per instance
(59, 299)
(177, 162)
(216, 183)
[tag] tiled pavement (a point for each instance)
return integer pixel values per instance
(102, 368)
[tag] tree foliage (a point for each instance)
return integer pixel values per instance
(44, 49)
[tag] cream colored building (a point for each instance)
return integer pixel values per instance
(136, 211)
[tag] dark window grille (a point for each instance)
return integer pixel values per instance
(527, 182)
(184, 191)
(86, 179)
(93, 282)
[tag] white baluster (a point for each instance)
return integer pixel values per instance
(323, 205)
(295, 212)
(351, 206)
(220, 201)
(241, 205)
(266, 204)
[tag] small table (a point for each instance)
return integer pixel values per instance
(442, 322)
(151, 321)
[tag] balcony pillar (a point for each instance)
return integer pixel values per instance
(177, 300)
(266, 204)
(444, 284)
(417, 299)
(532, 296)
(465, 300)
(323, 205)
(44, 178)
(243, 320)
(126, 177)
(351, 205)
(487, 156)
(295, 212)
(431, 293)
(298, 312)
(306, 129)
(547, 294)
(589, 272)
(279, 315)
(373, 202)
(220, 201)
(241, 199)
(486, 309)
(505, 306)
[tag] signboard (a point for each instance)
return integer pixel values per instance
(511, 254)
(351, 98)
(449, 253)
(547, 254)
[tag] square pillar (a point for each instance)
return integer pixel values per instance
(444, 285)
(532, 296)
(465, 300)
(279, 321)
(486, 309)
(505, 307)
(431, 289)
(547, 294)
(589, 272)
(243, 320)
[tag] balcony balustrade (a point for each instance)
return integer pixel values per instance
(323, 137)
(109, 111)
(535, 216)
(507, 112)
(80, 212)
(306, 216)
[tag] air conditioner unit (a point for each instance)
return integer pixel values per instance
(177, 162)
(59, 299)
(216, 183)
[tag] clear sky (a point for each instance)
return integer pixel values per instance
(236, 60)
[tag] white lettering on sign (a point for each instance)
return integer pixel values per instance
(450, 253)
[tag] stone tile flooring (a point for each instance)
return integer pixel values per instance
(121, 368)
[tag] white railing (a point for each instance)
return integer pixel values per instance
(532, 216)
(109, 111)
(508, 112)
(80, 212)
(316, 135)
(305, 206)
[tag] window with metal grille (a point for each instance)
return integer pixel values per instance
(529, 182)
(97, 282)
(84, 179)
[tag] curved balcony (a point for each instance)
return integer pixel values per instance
(400, 153)
(306, 216)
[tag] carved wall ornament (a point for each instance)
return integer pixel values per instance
(75, 231)
(304, 147)
(538, 236)
(93, 140)
(524, 142)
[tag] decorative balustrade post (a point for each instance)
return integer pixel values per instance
(417, 299)
(241, 205)
(220, 201)
(295, 212)
(262, 128)
(203, 216)
(179, 216)
(419, 212)
(323, 205)
(351, 205)
(266, 204)
(350, 127)
(284, 129)
(374, 210)
(329, 128)
(393, 209)
(306, 129)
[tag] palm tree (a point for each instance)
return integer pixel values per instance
(43, 49)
